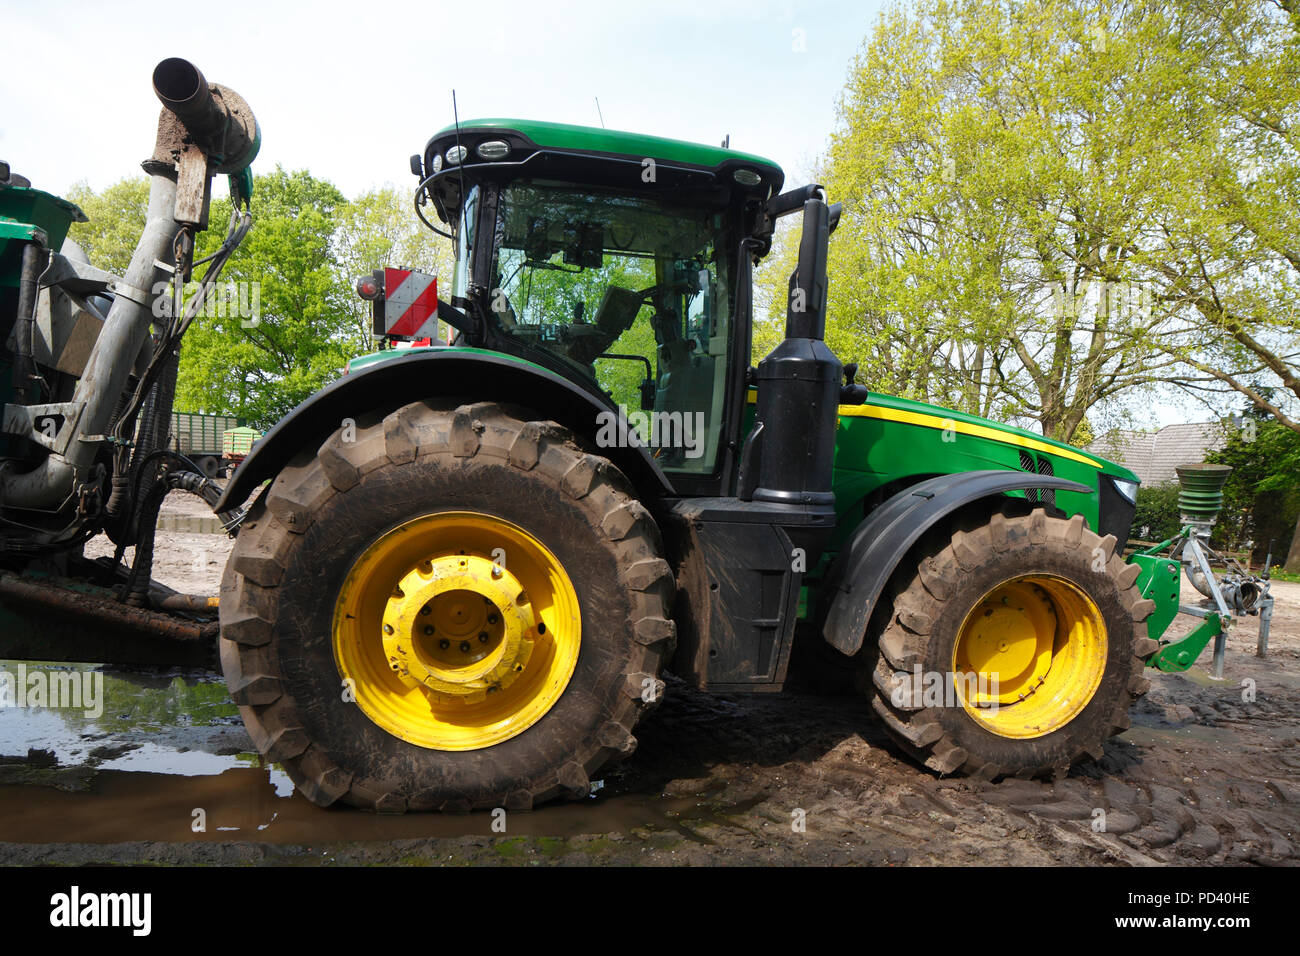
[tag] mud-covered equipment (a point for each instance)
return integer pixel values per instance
(88, 365)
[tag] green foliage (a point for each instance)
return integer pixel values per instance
(1026, 230)
(379, 228)
(1261, 498)
(307, 247)
(117, 216)
(259, 367)
(1156, 517)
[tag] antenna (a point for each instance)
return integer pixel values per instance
(599, 113)
(464, 213)
(726, 141)
(455, 115)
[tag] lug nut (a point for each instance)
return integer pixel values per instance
(493, 617)
(426, 610)
(464, 647)
(444, 644)
(482, 637)
(428, 630)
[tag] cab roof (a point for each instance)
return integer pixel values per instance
(588, 139)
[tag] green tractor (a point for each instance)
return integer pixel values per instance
(465, 567)
(473, 561)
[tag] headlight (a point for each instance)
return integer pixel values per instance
(1129, 489)
(455, 155)
(493, 149)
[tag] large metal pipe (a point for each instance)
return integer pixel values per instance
(111, 360)
(33, 263)
(217, 118)
(181, 88)
(222, 124)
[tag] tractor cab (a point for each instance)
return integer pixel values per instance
(612, 259)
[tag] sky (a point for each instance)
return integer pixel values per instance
(350, 90)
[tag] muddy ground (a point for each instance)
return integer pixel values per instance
(1209, 773)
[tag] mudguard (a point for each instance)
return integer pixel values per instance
(864, 566)
(473, 376)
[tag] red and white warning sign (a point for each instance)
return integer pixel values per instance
(410, 303)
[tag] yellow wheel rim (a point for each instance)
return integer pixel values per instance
(1029, 656)
(456, 631)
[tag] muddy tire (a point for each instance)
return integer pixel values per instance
(1043, 604)
(392, 526)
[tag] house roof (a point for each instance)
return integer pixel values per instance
(1152, 456)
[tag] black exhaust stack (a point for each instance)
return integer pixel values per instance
(798, 387)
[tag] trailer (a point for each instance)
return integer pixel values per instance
(201, 439)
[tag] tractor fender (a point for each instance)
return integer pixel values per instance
(864, 566)
(471, 376)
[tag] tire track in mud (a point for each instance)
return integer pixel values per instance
(1201, 778)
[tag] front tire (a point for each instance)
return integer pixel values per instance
(448, 608)
(1015, 649)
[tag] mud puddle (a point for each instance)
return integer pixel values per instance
(148, 757)
(121, 806)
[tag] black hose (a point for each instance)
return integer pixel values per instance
(135, 591)
(33, 264)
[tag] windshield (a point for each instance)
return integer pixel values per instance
(626, 290)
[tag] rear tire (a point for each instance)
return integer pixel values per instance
(1038, 591)
(313, 582)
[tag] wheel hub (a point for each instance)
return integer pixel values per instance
(1008, 639)
(460, 625)
(1042, 639)
(457, 630)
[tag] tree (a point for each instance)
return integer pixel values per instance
(1026, 228)
(297, 268)
(116, 219)
(259, 366)
(1156, 516)
(1226, 258)
(992, 160)
(1262, 495)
